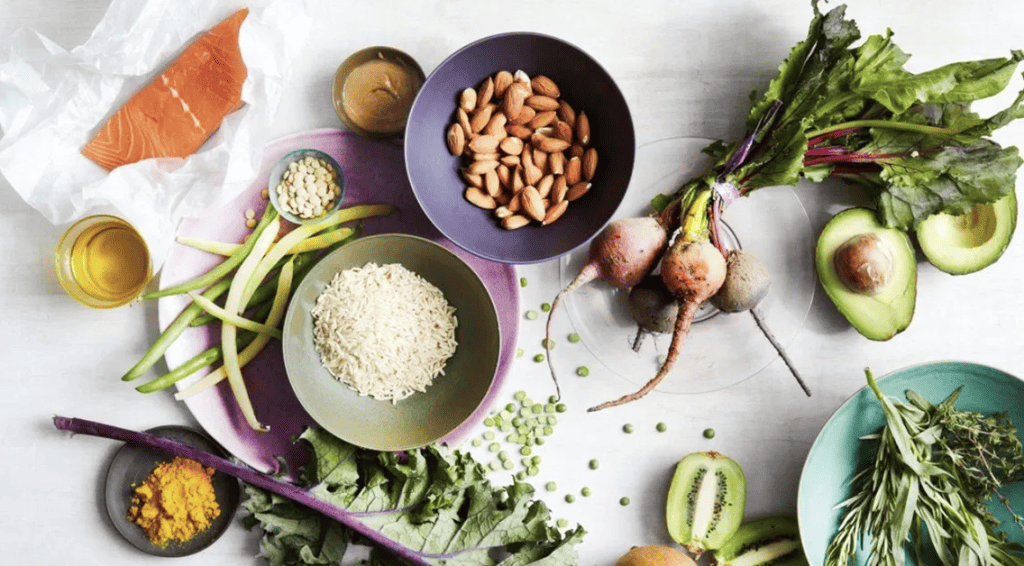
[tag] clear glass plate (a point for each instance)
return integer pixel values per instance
(721, 350)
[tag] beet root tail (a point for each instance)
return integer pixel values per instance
(586, 275)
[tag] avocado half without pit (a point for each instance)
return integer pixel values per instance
(869, 272)
(965, 243)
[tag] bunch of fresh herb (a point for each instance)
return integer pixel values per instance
(934, 469)
(855, 112)
(434, 502)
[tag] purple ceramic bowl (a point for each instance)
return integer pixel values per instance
(433, 171)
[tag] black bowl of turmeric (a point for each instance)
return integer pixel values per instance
(166, 505)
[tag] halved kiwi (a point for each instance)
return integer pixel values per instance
(706, 501)
(771, 541)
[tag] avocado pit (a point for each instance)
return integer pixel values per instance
(864, 263)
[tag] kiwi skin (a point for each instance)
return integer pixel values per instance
(778, 537)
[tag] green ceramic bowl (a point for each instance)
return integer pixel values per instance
(421, 418)
(838, 453)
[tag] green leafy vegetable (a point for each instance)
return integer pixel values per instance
(934, 469)
(436, 502)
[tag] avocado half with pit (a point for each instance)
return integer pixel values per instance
(869, 272)
(965, 243)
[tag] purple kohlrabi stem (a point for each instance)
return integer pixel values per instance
(247, 475)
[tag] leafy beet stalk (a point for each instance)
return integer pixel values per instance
(245, 474)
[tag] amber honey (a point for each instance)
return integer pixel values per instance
(103, 262)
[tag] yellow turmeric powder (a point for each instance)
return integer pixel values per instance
(175, 502)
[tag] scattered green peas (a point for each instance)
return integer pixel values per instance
(553, 399)
(585, 492)
(594, 464)
(523, 281)
(507, 464)
(551, 486)
(562, 523)
(520, 395)
(538, 441)
(493, 466)
(536, 408)
(503, 456)
(561, 408)
(520, 475)
(535, 460)
(511, 407)
(570, 498)
(548, 343)
(531, 315)
(519, 352)
(525, 451)
(583, 371)
(624, 501)
(661, 427)
(477, 442)
(574, 338)
(548, 431)
(494, 447)
(538, 358)
(709, 433)
(545, 307)
(532, 471)
(489, 435)
(628, 428)
(488, 421)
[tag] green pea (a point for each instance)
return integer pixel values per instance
(520, 475)
(523, 282)
(532, 470)
(477, 442)
(551, 486)
(594, 464)
(494, 447)
(489, 435)
(538, 441)
(548, 343)
(552, 420)
(585, 492)
(661, 427)
(520, 395)
(538, 358)
(583, 371)
(512, 438)
(493, 466)
(553, 399)
(574, 338)
(488, 421)
(545, 307)
(526, 402)
(624, 501)
(510, 408)
(507, 464)
(531, 315)
(518, 421)
(535, 460)
(627, 428)
(561, 408)
(505, 414)
(570, 498)
(505, 427)
(562, 523)
(709, 433)
(549, 408)
(525, 451)
(519, 352)
(536, 408)
(503, 456)
(548, 431)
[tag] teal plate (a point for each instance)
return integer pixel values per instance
(838, 453)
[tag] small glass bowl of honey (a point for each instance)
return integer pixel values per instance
(102, 261)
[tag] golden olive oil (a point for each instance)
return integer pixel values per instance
(110, 261)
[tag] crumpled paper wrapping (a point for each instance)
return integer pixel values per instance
(52, 101)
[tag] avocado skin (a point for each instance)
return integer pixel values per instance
(882, 315)
(959, 256)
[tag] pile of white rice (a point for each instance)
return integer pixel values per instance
(383, 330)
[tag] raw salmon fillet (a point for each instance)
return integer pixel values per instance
(174, 114)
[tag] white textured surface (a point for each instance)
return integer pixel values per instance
(686, 69)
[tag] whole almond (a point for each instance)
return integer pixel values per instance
(540, 102)
(545, 86)
(502, 212)
(512, 104)
(576, 150)
(511, 146)
(546, 131)
(542, 119)
(456, 139)
(515, 204)
(487, 156)
(525, 116)
(549, 145)
(517, 179)
(532, 174)
(532, 204)
(496, 126)
(492, 184)
(577, 190)
(527, 156)
(559, 189)
(589, 163)
(462, 117)
(503, 199)
(573, 171)
(484, 144)
(563, 131)
(545, 184)
(480, 198)
(520, 76)
(485, 92)
(555, 212)
(514, 222)
(540, 159)
(556, 163)
(521, 132)
(504, 173)
(474, 180)
(480, 117)
(467, 100)
(510, 160)
(481, 167)
(502, 80)
(566, 113)
(583, 129)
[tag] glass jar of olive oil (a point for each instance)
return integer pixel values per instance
(103, 262)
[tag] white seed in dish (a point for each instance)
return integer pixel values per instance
(383, 330)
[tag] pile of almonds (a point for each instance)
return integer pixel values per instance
(526, 151)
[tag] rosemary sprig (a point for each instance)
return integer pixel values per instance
(934, 469)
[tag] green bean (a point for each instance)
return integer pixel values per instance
(207, 357)
(223, 268)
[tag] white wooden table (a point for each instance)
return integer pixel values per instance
(686, 69)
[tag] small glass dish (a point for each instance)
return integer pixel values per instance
(282, 168)
(359, 108)
(103, 262)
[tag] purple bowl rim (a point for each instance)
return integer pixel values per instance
(618, 91)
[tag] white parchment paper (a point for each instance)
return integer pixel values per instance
(52, 101)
